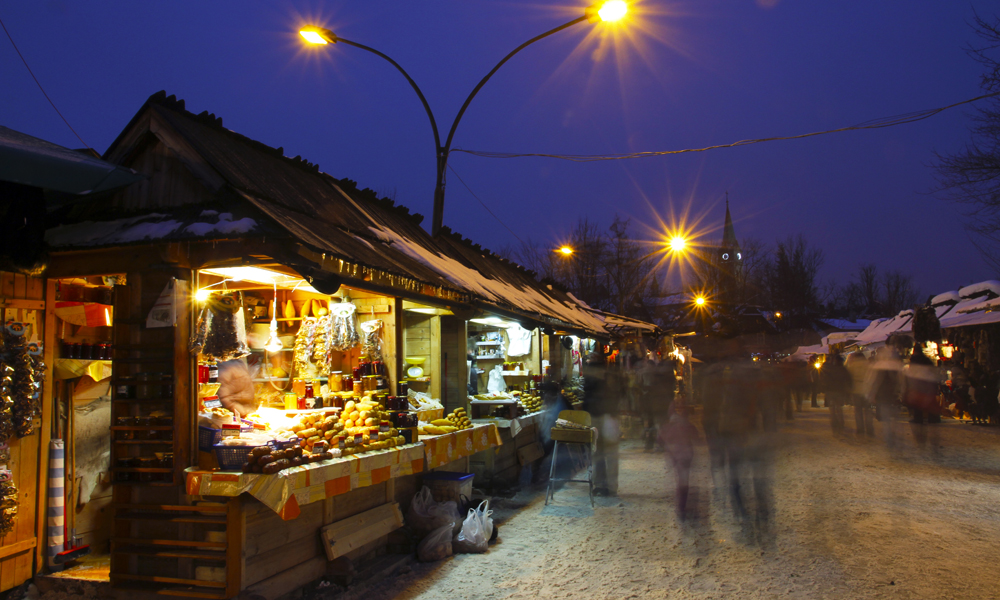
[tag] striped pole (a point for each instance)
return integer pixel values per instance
(56, 502)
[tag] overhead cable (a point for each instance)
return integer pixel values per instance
(873, 124)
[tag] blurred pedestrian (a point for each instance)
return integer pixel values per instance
(864, 418)
(920, 383)
(678, 436)
(884, 391)
(736, 418)
(836, 389)
(601, 386)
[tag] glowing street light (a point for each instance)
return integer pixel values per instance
(678, 244)
(612, 10)
(699, 300)
(608, 11)
(565, 250)
(318, 36)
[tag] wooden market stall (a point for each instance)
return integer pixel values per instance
(224, 221)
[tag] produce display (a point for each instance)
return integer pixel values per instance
(529, 401)
(455, 421)
(268, 460)
(571, 395)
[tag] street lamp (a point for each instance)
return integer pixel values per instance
(699, 301)
(607, 11)
(678, 244)
(565, 250)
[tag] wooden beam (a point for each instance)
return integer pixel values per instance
(354, 532)
(6, 302)
(18, 548)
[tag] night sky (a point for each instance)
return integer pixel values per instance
(674, 75)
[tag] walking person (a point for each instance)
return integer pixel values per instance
(884, 391)
(836, 389)
(864, 418)
(920, 385)
(601, 388)
(678, 436)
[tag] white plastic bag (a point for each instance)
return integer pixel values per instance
(426, 515)
(476, 530)
(436, 545)
(496, 383)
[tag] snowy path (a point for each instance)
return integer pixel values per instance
(852, 520)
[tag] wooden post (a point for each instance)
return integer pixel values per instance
(45, 435)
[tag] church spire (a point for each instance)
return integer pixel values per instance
(729, 241)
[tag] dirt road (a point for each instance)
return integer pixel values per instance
(850, 520)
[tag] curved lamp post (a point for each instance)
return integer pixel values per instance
(610, 10)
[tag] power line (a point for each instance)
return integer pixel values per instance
(39, 84)
(484, 204)
(874, 124)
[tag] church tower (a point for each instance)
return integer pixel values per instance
(729, 259)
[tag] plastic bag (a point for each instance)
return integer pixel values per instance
(345, 326)
(474, 538)
(221, 331)
(426, 514)
(371, 347)
(496, 383)
(436, 545)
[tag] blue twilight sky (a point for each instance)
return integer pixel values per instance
(677, 75)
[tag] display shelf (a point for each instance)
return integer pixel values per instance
(142, 427)
(491, 357)
(142, 469)
(150, 400)
(489, 343)
(516, 373)
(418, 379)
(160, 442)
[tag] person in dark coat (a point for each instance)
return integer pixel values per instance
(837, 387)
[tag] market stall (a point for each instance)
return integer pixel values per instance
(267, 317)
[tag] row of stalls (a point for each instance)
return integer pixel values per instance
(253, 366)
(960, 331)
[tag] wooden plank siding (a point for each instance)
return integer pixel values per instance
(22, 547)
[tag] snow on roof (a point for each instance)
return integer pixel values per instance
(951, 296)
(977, 289)
(492, 290)
(148, 227)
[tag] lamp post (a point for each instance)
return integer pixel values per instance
(609, 10)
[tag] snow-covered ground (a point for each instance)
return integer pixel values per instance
(851, 520)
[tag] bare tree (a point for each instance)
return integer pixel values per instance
(972, 176)
(868, 287)
(899, 294)
(585, 273)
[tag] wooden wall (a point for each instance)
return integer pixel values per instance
(23, 299)
(422, 338)
(455, 371)
(281, 556)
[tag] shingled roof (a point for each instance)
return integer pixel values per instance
(330, 216)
